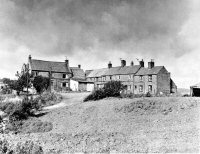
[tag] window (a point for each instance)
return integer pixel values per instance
(129, 87)
(150, 78)
(150, 88)
(64, 84)
(36, 73)
(141, 88)
(119, 77)
(130, 76)
(110, 77)
(96, 79)
(141, 77)
(135, 87)
(64, 76)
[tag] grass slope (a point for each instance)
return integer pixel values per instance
(122, 125)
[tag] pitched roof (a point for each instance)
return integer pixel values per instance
(78, 73)
(196, 85)
(114, 71)
(147, 71)
(41, 65)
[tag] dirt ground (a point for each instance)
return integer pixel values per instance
(165, 124)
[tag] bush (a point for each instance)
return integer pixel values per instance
(47, 99)
(19, 111)
(41, 83)
(110, 89)
(28, 147)
(148, 94)
(96, 95)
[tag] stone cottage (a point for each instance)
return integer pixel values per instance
(136, 78)
(62, 76)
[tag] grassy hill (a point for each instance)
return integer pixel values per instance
(165, 124)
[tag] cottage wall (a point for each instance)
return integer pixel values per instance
(164, 83)
(145, 82)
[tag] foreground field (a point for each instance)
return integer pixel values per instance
(120, 125)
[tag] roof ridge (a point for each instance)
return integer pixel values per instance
(48, 61)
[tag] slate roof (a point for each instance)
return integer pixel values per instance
(114, 71)
(41, 65)
(146, 71)
(196, 85)
(78, 74)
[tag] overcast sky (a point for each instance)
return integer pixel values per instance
(94, 32)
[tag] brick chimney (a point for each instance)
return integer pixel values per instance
(132, 63)
(109, 64)
(67, 62)
(151, 64)
(79, 66)
(123, 63)
(29, 57)
(142, 63)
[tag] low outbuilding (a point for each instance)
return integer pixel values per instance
(195, 90)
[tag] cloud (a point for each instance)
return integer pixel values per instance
(67, 26)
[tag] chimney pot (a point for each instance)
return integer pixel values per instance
(132, 63)
(142, 63)
(109, 64)
(123, 63)
(151, 64)
(29, 57)
(79, 66)
(67, 62)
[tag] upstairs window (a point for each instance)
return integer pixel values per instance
(36, 73)
(130, 76)
(141, 78)
(150, 78)
(119, 77)
(110, 77)
(64, 76)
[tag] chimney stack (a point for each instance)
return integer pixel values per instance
(142, 63)
(29, 57)
(123, 63)
(151, 64)
(67, 62)
(79, 66)
(132, 63)
(109, 64)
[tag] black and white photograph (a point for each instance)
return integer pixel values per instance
(99, 76)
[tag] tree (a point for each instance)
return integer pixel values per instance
(41, 83)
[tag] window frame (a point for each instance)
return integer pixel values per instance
(141, 77)
(64, 83)
(150, 88)
(150, 78)
(64, 76)
(141, 88)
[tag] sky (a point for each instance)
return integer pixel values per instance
(94, 32)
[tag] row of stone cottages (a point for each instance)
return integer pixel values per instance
(136, 78)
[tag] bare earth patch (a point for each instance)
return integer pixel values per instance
(120, 125)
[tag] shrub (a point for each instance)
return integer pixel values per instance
(28, 147)
(148, 94)
(47, 99)
(41, 83)
(110, 89)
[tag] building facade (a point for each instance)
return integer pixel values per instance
(136, 78)
(63, 77)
